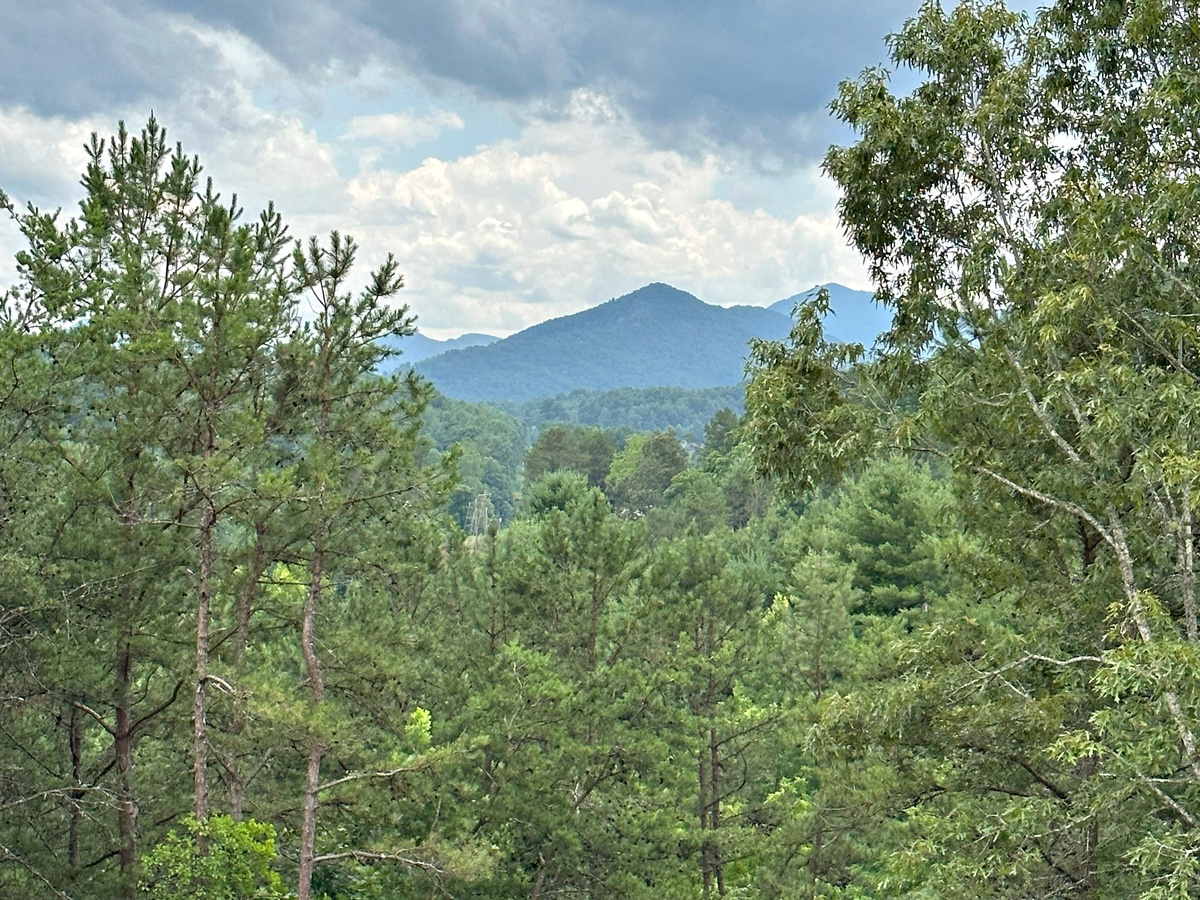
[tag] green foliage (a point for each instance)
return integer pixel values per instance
(195, 437)
(642, 472)
(555, 491)
(491, 447)
(236, 862)
(1023, 214)
(571, 448)
(418, 729)
(638, 409)
(814, 619)
(804, 416)
(978, 679)
(721, 433)
(889, 524)
(694, 500)
(728, 454)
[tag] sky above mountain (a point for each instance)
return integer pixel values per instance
(523, 159)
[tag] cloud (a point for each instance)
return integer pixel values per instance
(575, 212)
(583, 204)
(402, 128)
(41, 160)
(753, 74)
(261, 154)
(43, 157)
(76, 57)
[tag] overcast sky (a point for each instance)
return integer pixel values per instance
(522, 159)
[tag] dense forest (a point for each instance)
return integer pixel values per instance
(919, 624)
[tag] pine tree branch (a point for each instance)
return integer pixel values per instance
(378, 856)
(360, 776)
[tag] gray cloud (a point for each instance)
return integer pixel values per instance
(749, 74)
(755, 73)
(74, 57)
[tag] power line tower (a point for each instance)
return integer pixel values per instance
(481, 513)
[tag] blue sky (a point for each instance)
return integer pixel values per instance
(523, 159)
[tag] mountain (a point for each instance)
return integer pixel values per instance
(416, 347)
(657, 336)
(854, 316)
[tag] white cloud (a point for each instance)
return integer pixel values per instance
(576, 211)
(401, 128)
(40, 160)
(261, 155)
(43, 157)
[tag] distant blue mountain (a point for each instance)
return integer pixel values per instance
(854, 316)
(416, 347)
(657, 336)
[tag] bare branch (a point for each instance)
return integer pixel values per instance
(1040, 411)
(8, 856)
(1048, 499)
(1171, 802)
(53, 792)
(83, 707)
(359, 776)
(402, 856)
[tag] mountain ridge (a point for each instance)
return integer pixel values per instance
(854, 316)
(656, 336)
(415, 347)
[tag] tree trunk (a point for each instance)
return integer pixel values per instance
(705, 847)
(200, 698)
(1187, 564)
(539, 881)
(75, 796)
(312, 780)
(123, 750)
(241, 640)
(594, 623)
(714, 815)
(308, 627)
(308, 823)
(1141, 619)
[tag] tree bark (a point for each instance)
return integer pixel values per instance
(312, 780)
(200, 698)
(308, 626)
(308, 823)
(123, 750)
(1187, 564)
(241, 640)
(76, 794)
(714, 816)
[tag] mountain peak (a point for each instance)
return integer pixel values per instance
(658, 294)
(656, 336)
(854, 316)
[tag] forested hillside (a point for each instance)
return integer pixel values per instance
(633, 409)
(657, 336)
(656, 339)
(916, 624)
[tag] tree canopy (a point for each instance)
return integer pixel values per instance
(919, 624)
(1027, 213)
